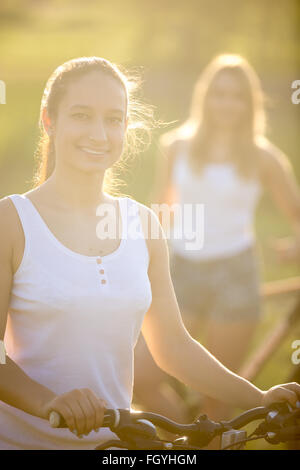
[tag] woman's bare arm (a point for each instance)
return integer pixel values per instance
(279, 179)
(176, 352)
(16, 388)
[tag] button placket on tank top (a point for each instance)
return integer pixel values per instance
(100, 261)
(101, 272)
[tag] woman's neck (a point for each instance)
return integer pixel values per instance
(223, 137)
(78, 191)
(219, 146)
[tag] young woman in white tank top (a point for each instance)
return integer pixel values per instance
(220, 159)
(80, 276)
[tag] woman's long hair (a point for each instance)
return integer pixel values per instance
(198, 129)
(139, 115)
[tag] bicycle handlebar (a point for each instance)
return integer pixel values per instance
(126, 423)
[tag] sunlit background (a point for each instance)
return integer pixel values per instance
(168, 42)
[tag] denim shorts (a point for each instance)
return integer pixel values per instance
(224, 289)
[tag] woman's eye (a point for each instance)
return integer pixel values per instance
(115, 120)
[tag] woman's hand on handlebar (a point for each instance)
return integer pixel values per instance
(81, 409)
(289, 392)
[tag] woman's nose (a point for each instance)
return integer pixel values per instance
(98, 132)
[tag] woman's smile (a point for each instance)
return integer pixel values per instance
(93, 152)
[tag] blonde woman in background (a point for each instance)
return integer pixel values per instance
(221, 158)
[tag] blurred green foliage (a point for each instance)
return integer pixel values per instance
(168, 42)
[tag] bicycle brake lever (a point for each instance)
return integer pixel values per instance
(205, 430)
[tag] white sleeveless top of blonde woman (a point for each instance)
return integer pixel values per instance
(228, 203)
(73, 323)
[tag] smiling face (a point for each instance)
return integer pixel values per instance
(227, 101)
(90, 124)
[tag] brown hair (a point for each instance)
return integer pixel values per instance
(140, 116)
(199, 130)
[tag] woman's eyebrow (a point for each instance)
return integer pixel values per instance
(80, 106)
(113, 110)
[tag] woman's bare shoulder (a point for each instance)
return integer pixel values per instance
(7, 222)
(8, 214)
(152, 228)
(149, 216)
(11, 233)
(172, 145)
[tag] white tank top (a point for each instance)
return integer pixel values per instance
(229, 204)
(66, 329)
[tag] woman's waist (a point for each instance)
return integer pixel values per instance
(109, 377)
(205, 239)
(210, 253)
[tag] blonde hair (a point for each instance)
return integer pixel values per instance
(198, 130)
(140, 117)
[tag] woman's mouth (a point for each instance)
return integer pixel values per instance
(98, 153)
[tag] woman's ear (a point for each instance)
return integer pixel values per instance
(46, 122)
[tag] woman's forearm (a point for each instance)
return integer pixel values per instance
(200, 370)
(19, 390)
